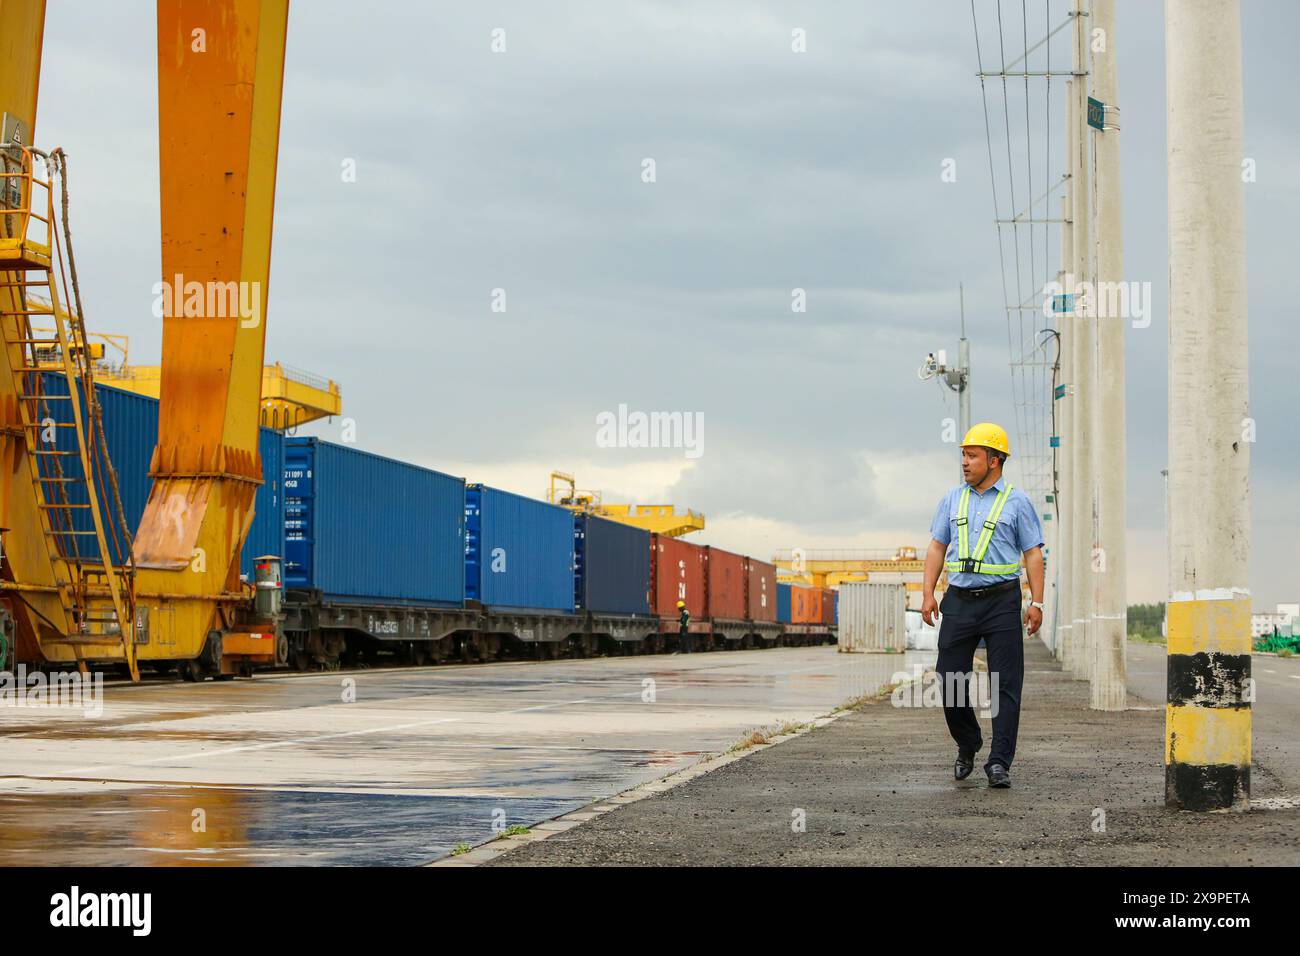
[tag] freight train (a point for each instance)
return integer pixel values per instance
(380, 559)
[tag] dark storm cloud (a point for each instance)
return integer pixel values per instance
(522, 171)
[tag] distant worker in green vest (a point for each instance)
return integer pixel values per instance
(685, 640)
(981, 531)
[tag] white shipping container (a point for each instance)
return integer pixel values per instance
(872, 617)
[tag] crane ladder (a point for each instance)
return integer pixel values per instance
(97, 597)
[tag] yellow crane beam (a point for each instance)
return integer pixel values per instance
(660, 519)
(830, 568)
(657, 518)
(290, 396)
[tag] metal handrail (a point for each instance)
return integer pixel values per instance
(26, 172)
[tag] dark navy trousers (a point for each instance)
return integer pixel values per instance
(995, 618)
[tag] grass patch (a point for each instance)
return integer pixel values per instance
(1142, 637)
(460, 849)
(515, 830)
(764, 735)
(857, 703)
(1286, 652)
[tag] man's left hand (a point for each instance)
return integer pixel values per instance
(1033, 619)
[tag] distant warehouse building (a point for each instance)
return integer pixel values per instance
(1264, 623)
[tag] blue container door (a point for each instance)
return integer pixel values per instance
(783, 602)
(473, 540)
(299, 502)
(266, 536)
(580, 562)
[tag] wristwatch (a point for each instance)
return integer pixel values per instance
(1037, 604)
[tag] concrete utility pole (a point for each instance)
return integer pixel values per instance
(1064, 428)
(963, 369)
(1109, 627)
(1084, 356)
(1208, 719)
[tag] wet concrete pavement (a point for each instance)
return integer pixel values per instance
(875, 788)
(382, 767)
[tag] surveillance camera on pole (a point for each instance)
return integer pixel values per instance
(957, 378)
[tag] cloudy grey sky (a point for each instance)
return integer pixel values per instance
(775, 170)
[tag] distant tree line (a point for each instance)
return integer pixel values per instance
(1144, 620)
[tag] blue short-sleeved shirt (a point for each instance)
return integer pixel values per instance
(1017, 531)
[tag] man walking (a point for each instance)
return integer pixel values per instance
(684, 637)
(980, 531)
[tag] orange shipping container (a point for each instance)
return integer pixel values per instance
(811, 605)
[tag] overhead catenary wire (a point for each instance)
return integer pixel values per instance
(1033, 378)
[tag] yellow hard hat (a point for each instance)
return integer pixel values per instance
(681, 604)
(988, 435)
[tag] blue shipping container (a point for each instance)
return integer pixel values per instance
(518, 551)
(611, 566)
(131, 433)
(783, 602)
(364, 529)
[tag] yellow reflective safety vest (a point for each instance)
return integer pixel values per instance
(975, 563)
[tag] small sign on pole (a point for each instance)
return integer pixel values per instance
(1058, 392)
(1096, 113)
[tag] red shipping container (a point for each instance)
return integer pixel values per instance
(829, 597)
(726, 587)
(760, 590)
(677, 572)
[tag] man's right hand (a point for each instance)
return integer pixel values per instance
(929, 610)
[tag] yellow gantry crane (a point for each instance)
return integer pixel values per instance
(290, 396)
(830, 568)
(175, 594)
(659, 519)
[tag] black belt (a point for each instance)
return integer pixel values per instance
(984, 592)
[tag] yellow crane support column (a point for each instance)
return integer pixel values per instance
(220, 76)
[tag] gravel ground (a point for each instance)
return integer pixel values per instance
(875, 787)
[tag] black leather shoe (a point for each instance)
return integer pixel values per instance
(999, 776)
(964, 765)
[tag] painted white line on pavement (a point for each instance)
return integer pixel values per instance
(78, 771)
